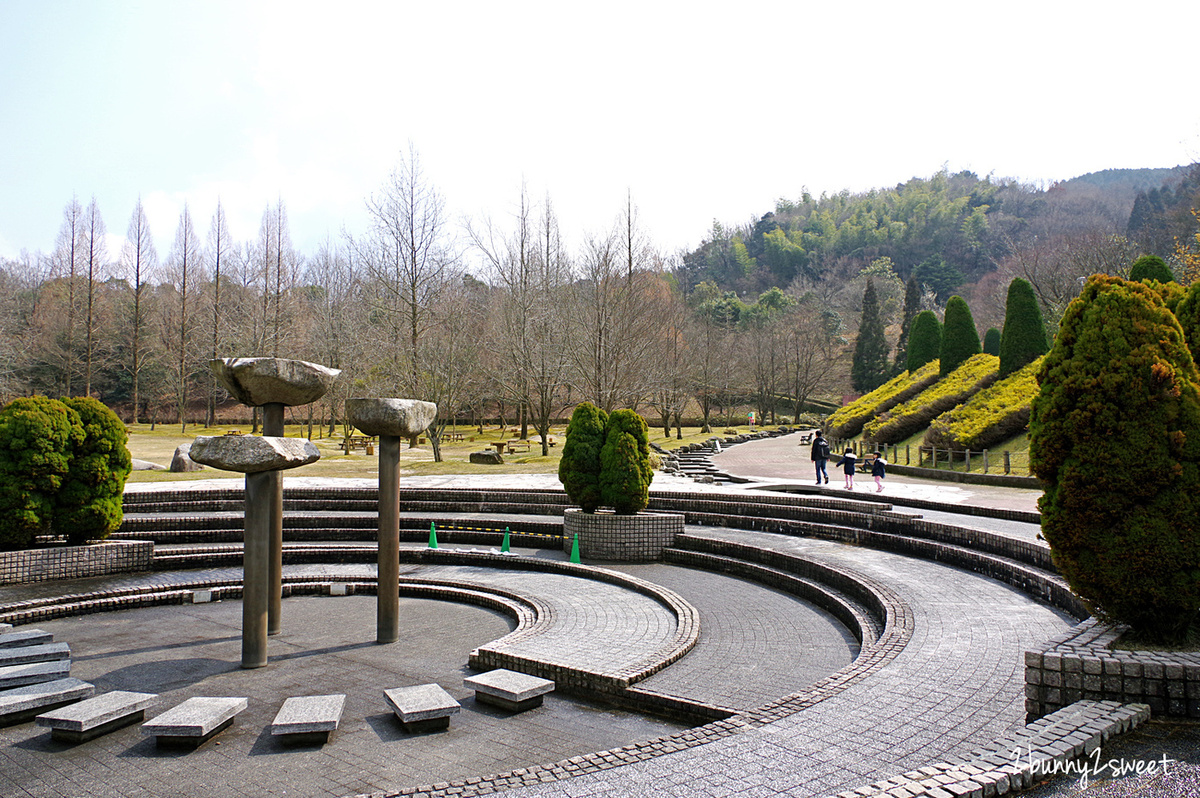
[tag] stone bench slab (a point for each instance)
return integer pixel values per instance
(45, 652)
(194, 722)
(33, 673)
(304, 720)
(96, 716)
(422, 707)
(24, 703)
(509, 690)
(25, 637)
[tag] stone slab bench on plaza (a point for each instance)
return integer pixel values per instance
(96, 716)
(24, 703)
(25, 637)
(45, 652)
(308, 719)
(194, 722)
(33, 673)
(422, 707)
(509, 690)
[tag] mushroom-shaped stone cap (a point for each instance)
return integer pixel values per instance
(251, 454)
(402, 418)
(258, 381)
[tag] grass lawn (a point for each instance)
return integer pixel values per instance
(158, 446)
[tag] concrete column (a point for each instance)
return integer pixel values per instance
(255, 570)
(273, 427)
(387, 619)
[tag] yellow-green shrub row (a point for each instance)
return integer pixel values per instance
(848, 421)
(989, 417)
(905, 420)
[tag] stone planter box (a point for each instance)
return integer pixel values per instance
(604, 535)
(74, 562)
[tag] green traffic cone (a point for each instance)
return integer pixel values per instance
(504, 545)
(432, 536)
(575, 549)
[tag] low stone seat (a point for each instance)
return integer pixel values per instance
(308, 719)
(45, 652)
(509, 690)
(96, 716)
(194, 722)
(25, 637)
(422, 707)
(24, 703)
(33, 673)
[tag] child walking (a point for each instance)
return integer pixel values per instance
(879, 471)
(847, 463)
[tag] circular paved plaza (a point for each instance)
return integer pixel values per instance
(812, 711)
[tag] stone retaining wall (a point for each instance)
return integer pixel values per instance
(74, 562)
(1082, 664)
(605, 535)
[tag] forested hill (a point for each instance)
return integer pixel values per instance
(960, 222)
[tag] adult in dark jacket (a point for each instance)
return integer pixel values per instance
(820, 456)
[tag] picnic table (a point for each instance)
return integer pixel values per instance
(358, 442)
(455, 436)
(500, 446)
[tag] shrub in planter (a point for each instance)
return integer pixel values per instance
(625, 471)
(579, 468)
(37, 435)
(87, 506)
(1115, 436)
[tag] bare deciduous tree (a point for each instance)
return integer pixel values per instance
(139, 260)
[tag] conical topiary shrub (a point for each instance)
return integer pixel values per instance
(579, 468)
(924, 340)
(625, 471)
(88, 504)
(1024, 337)
(960, 339)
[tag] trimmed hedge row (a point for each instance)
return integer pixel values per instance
(849, 420)
(978, 372)
(991, 416)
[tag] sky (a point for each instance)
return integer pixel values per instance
(698, 111)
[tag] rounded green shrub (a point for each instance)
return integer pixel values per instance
(1151, 267)
(1188, 314)
(88, 503)
(579, 468)
(960, 339)
(924, 340)
(37, 436)
(991, 342)
(625, 470)
(1024, 337)
(1115, 436)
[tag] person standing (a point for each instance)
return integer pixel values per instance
(820, 456)
(848, 462)
(879, 471)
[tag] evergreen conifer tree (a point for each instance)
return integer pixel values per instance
(1024, 338)
(1115, 437)
(912, 306)
(960, 339)
(625, 470)
(579, 468)
(924, 341)
(869, 369)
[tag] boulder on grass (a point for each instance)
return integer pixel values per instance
(182, 461)
(487, 458)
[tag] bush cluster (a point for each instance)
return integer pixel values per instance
(904, 420)
(63, 466)
(1115, 437)
(606, 460)
(848, 421)
(991, 416)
